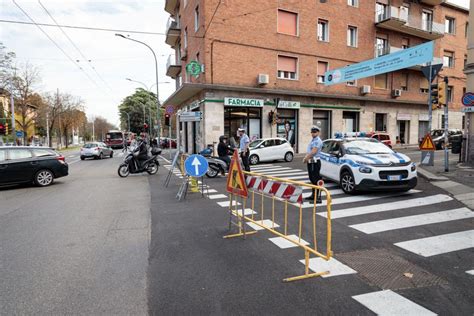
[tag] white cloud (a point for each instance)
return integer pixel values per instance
(114, 58)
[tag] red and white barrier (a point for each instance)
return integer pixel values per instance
(292, 193)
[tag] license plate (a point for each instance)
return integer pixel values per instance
(394, 178)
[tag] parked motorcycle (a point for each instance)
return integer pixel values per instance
(131, 165)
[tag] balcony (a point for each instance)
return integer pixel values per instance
(392, 18)
(173, 32)
(170, 6)
(173, 69)
(433, 2)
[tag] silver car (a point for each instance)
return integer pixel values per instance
(96, 150)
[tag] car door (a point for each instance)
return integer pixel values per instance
(21, 165)
(106, 149)
(279, 149)
(3, 166)
(265, 151)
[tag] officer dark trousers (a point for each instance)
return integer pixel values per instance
(245, 160)
(314, 176)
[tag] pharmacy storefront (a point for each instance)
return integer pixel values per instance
(243, 113)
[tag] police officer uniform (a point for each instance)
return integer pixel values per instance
(313, 161)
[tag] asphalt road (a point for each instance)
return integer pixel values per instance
(79, 246)
(193, 270)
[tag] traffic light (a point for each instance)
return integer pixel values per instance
(167, 120)
(442, 92)
(434, 94)
(3, 129)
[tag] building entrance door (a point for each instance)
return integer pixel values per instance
(404, 132)
(322, 119)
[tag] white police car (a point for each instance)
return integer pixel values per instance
(361, 164)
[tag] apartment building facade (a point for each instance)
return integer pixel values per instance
(270, 56)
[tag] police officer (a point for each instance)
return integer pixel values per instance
(312, 158)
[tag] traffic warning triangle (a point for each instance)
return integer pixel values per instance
(235, 180)
(427, 143)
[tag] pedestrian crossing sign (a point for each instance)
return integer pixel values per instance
(427, 143)
(235, 179)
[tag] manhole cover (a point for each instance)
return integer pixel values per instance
(388, 271)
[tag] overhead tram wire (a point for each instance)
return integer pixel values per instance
(56, 44)
(75, 46)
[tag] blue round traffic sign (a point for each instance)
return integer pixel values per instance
(196, 166)
(468, 99)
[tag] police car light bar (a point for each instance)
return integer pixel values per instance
(350, 134)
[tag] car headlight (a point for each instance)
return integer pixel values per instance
(365, 169)
(413, 167)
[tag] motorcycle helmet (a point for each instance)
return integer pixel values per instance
(222, 138)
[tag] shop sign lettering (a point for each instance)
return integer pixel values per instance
(243, 102)
(289, 105)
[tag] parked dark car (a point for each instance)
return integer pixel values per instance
(38, 165)
(438, 137)
(165, 142)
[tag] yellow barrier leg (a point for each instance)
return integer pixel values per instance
(306, 274)
(194, 185)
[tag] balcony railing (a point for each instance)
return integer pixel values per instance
(399, 19)
(173, 32)
(173, 69)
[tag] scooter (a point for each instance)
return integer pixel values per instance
(216, 165)
(130, 164)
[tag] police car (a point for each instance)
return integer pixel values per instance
(360, 164)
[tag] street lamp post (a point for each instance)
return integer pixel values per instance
(156, 75)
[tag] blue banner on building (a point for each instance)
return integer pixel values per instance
(404, 58)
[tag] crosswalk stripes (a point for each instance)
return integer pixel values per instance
(388, 302)
(332, 265)
(471, 272)
(414, 220)
(436, 245)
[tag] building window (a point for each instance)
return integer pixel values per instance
(381, 81)
(381, 46)
(404, 82)
(185, 41)
(287, 67)
(449, 25)
(465, 61)
(353, 3)
(352, 36)
(197, 56)
(463, 126)
(450, 94)
(405, 43)
(352, 83)
(322, 68)
(381, 12)
(424, 86)
(424, 90)
(448, 59)
(427, 20)
(466, 28)
(196, 19)
(323, 30)
(287, 23)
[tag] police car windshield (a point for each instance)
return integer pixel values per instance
(361, 147)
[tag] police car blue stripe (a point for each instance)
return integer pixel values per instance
(334, 160)
(399, 157)
(373, 159)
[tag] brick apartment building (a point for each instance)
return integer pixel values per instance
(256, 53)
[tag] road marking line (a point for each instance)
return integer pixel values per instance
(423, 201)
(470, 272)
(247, 212)
(286, 172)
(209, 191)
(218, 196)
(414, 220)
(358, 198)
(71, 156)
(388, 302)
(266, 222)
(432, 246)
(297, 177)
(272, 169)
(226, 203)
(283, 243)
(263, 167)
(332, 192)
(71, 162)
(168, 161)
(334, 267)
(327, 185)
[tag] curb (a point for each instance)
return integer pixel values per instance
(430, 176)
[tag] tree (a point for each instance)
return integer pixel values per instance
(6, 66)
(135, 105)
(101, 126)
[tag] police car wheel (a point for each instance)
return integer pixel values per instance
(347, 182)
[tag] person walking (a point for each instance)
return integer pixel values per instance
(312, 159)
(244, 148)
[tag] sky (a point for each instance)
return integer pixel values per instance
(97, 71)
(101, 83)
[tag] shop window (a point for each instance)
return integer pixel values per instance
(322, 119)
(449, 25)
(448, 59)
(287, 23)
(287, 67)
(323, 30)
(351, 121)
(352, 36)
(322, 68)
(242, 117)
(381, 81)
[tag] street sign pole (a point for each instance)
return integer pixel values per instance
(446, 121)
(430, 109)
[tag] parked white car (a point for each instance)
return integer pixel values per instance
(270, 149)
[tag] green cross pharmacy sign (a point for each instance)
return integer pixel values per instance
(194, 68)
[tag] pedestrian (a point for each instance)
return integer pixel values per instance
(244, 148)
(312, 159)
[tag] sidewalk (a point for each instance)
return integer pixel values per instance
(458, 181)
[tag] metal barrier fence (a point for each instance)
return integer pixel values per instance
(290, 194)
